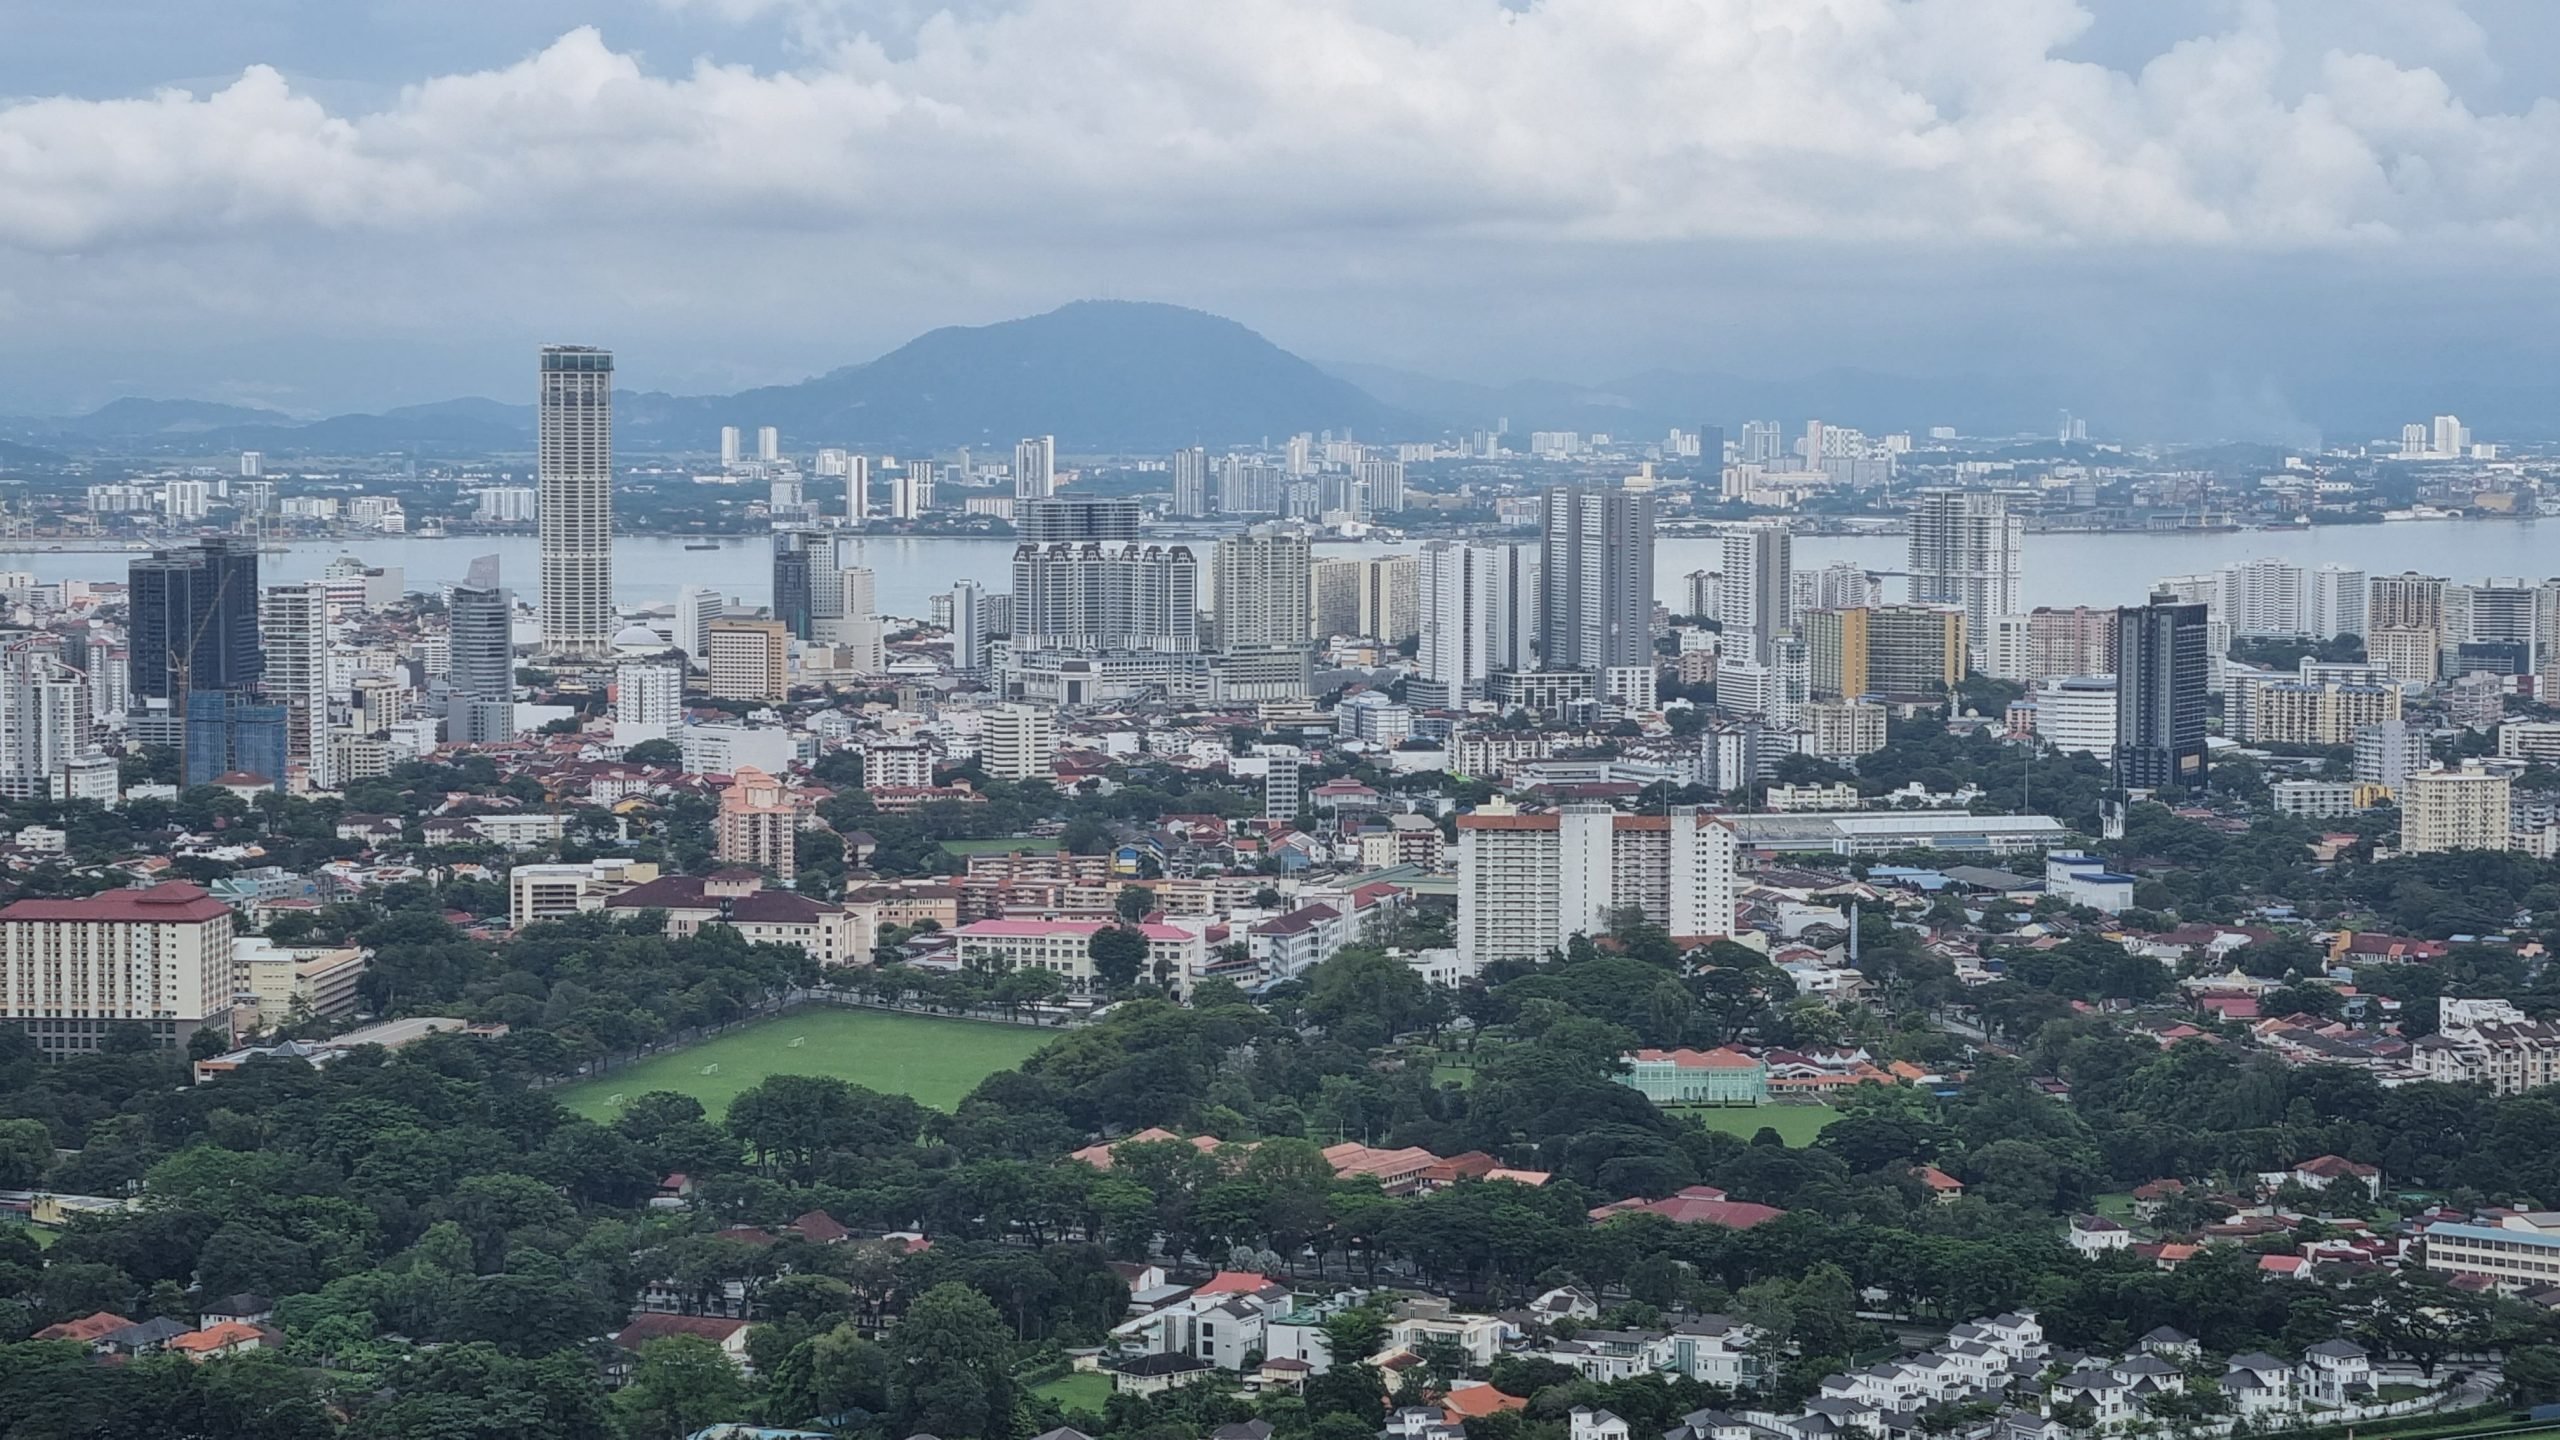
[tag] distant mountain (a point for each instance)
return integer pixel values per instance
(1100, 375)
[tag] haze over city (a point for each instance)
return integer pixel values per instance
(2208, 220)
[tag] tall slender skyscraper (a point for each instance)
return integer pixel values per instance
(1191, 482)
(857, 488)
(1965, 550)
(1595, 579)
(293, 629)
(1756, 594)
(575, 462)
(2161, 663)
(482, 709)
(1035, 467)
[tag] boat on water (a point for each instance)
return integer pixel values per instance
(705, 546)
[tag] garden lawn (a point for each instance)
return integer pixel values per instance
(1076, 1390)
(1795, 1124)
(935, 1060)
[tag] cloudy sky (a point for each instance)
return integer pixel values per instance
(2209, 215)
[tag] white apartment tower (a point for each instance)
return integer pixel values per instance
(2263, 597)
(1020, 742)
(293, 629)
(648, 701)
(2336, 602)
(1478, 617)
(1035, 467)
(696, 607)
(45, 715)
(1756, 598)
(575, 462)
(857, 488)
(1965, 550)
(1190, 483)
(1527, 884)
(768, 444)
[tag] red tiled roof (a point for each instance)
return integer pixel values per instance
(173, 903)
(87, 1327)
(644, 1328)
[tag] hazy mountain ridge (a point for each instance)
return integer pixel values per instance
(1101, 375)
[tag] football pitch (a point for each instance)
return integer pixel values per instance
(937, 1061)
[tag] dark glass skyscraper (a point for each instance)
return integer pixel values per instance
(1595, 579)
(195, 620)
(794, 594)
(2161, 660)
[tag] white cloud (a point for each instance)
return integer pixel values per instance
(1076, 122)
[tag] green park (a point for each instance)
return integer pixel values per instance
(936, 1060)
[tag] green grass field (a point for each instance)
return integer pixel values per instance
(1796, 1124)
(937, 1061)
(1076, 1390)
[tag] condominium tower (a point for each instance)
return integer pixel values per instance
(575, 463)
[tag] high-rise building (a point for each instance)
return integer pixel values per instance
(857, 488)
(1841, 585)
(293, 630)
(969, 627)
(1842, 730)
(648, 701)
(792, 599)
(1020, 742)
(2410, 654)
(749, 660)
(1705, 594)
(2455, 809)
(1191, 483)
(1381, 483)
(46, 715)
(159, 957)
(575, 464)
(2264, 597)
(1911, 653)
(1096, 597)
(731, 450)
(2161, 658)
(195, 620)
(1075, 520)
(481, 708)
(911, 492)
(1477, 616)
(2336, 604)
(2406, 601)
(696, 607)
(1595, 578)
(1261, 589)
(758, 825)
(1529, 883)
(1756, 602)
(1369, 597)
(1035, 467)
(2498, 612)
(2388, 752)
(1965, 551)
(768, 444)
